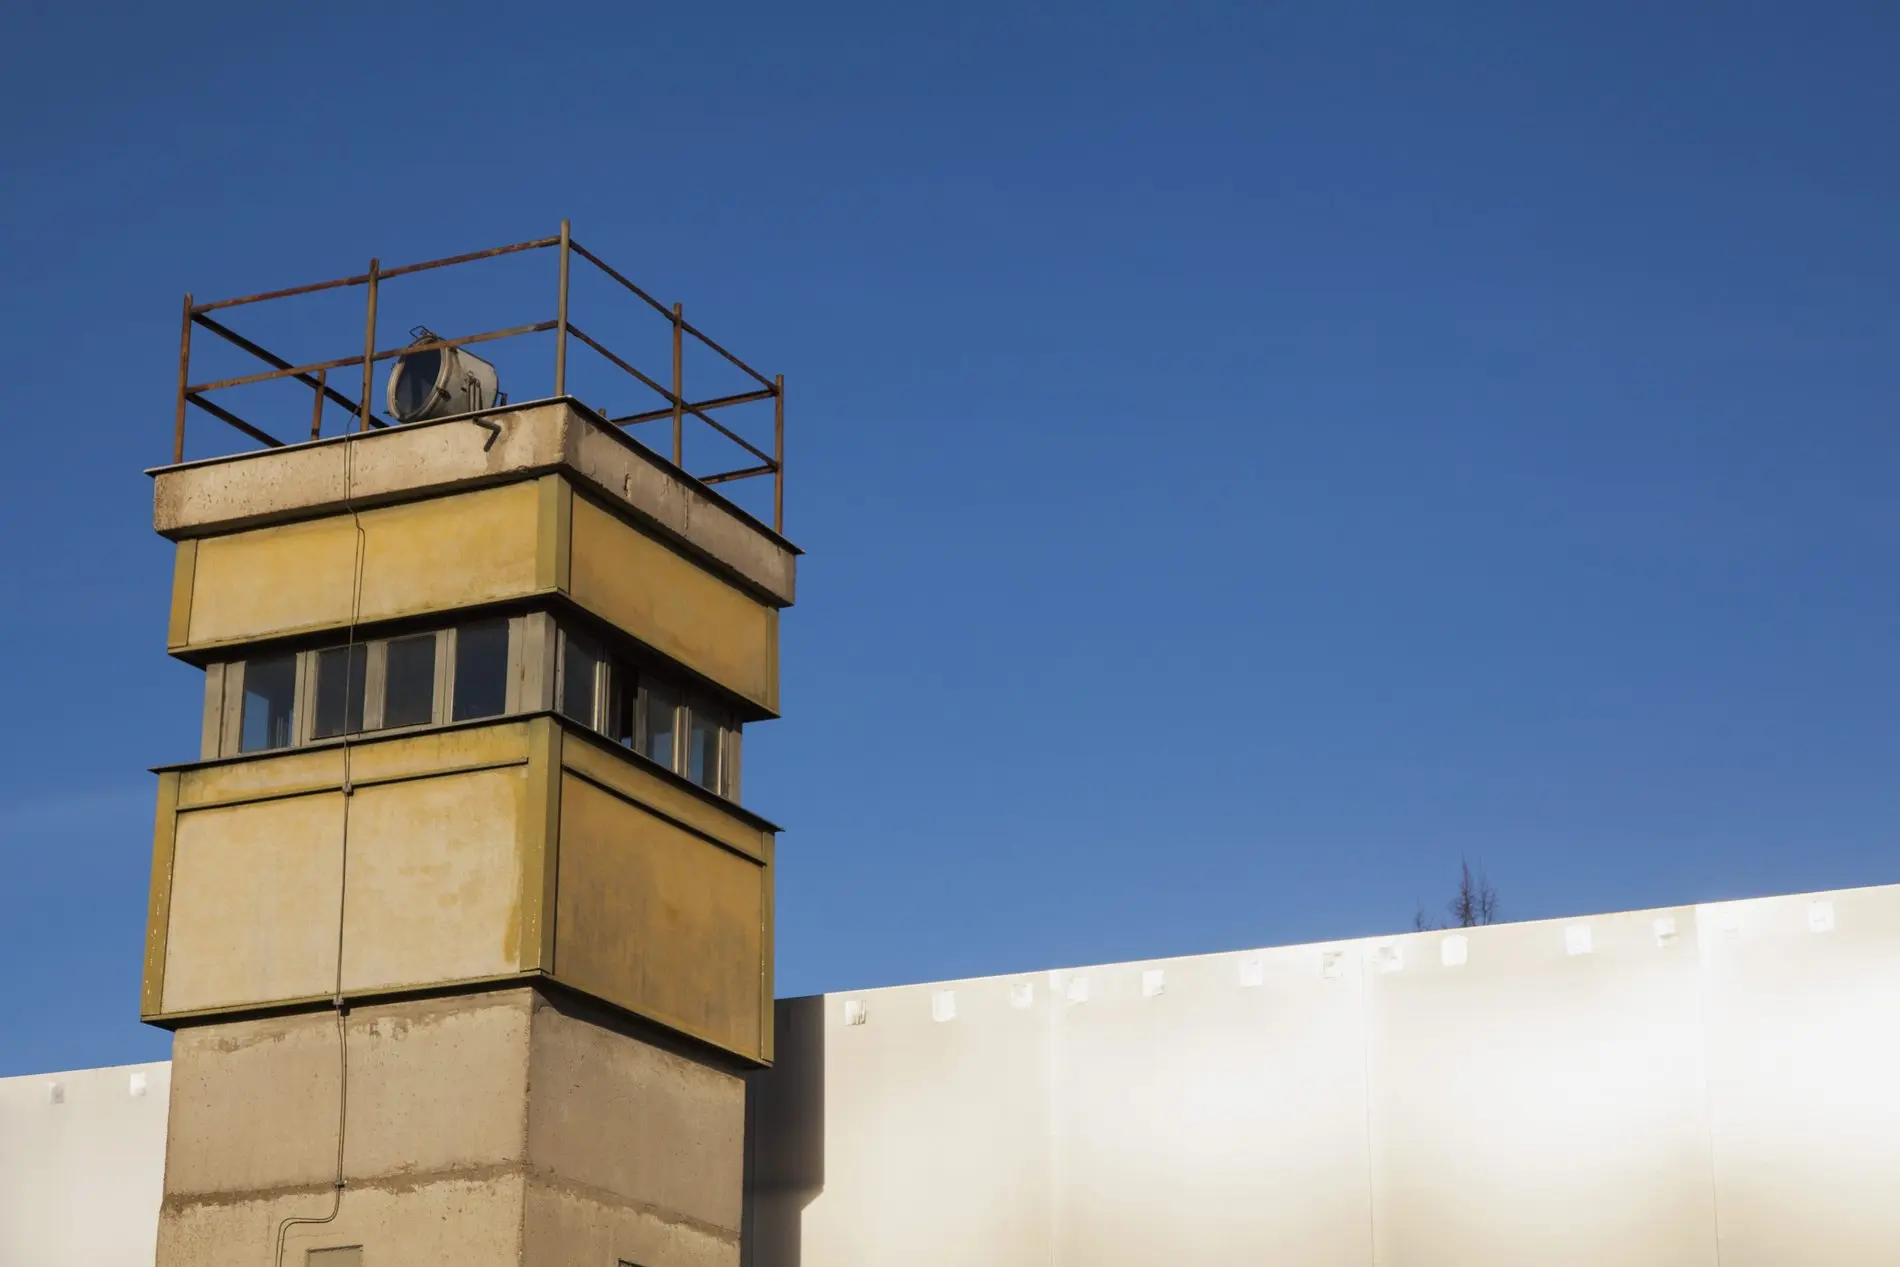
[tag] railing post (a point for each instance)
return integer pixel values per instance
(184, 380)
(679, 389)
(778, 456)
(560, 318)
(369, 346)
(316, 410)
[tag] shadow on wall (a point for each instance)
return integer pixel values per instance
(785, 1137)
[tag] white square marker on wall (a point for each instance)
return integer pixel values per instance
(1253, 971)
(1332, 963)
(1078, 990)
(1388, 958)
(1665, 927)
(1577, 940)
(854, 1012)
(55, 1093)
(943, 1006)
(1153, 981)
(1820, 917)
(1022, 995)
(135, 1086)
(1454, 950)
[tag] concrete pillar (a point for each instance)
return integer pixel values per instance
(507, 1127)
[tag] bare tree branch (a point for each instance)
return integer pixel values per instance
(1476, 901)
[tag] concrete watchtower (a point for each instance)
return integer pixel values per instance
(463, 932)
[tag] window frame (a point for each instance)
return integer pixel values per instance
(226, 680)
(614, 675)
(233, 707)
(536, 668)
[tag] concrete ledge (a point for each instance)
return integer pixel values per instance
(409, 463)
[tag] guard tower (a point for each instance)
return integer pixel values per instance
(462, 929)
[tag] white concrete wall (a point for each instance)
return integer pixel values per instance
(82, 1166)
(1714, 1086)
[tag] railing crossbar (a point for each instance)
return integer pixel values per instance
(316, 374)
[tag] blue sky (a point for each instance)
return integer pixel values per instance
(1249, 455)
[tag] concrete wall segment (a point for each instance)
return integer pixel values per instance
(435, 1086)
(468, 1221)
(417, 558)
(1667, 1088)
(1671, 1088)
(82, 1162)
(475, 855)
(474, 1121)
(660, 921)
(635, 1124)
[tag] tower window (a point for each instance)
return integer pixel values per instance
(423, 679)
(481, 670)
(581, 667)
(486, 668)
(637, 710)
(409, 681)
(662, 718)
(342, 684)
(705, 738)
(270, 698)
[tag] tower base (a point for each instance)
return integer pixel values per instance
(497, 1128)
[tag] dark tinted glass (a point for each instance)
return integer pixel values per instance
(409, 681)
(577, 680)
(657, 741)
(270, 694)
(481, 670)
(622, 725)
(340, 676)
(702, 751)
(415, 381)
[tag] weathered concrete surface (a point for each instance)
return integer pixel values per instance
(304, 481)
(502, 851)
(631, 1122)
(673, 605)
(420, 557)
(662, 922)
(540, 540)
(494, 1128)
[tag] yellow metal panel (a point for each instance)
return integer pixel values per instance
(254, 903)
(371, 761)
(434, 887)
(454, 551)
(272, 580)
(539, 835)
(159, 911)
(662, 797)
(768, 938)
(422, 557)
(673, 605)
(438, 752)
(659, 921)
(554, 536)
(290, 774)
(184, 569)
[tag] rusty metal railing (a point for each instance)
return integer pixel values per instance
(316, 374)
